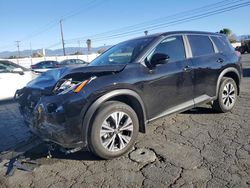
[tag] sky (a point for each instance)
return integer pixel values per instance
(36, 23)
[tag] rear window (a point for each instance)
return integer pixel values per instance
(222, 44)
(200, 45)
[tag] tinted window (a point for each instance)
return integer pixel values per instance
(8, 67)
(200, 45)
(65, 62)
(50, 64)
(222, 44)
(78, 61)
(173, 47)
(3, 68)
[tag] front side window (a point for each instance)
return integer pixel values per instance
(64, 62)
(173, 47)
(122, 53)
(50, 64)
(79, 61)
(200, 45)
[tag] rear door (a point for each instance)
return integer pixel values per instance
(224, 49)
(207, 64)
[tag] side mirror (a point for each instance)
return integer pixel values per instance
(18, 70)
(159, 58)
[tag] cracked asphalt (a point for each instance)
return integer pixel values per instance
(197, 148)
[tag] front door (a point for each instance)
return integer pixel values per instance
(170, 85)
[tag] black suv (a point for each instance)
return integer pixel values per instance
(104, 105)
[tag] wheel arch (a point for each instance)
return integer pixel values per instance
(126, 96)
(230, 72)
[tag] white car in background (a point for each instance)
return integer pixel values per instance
(13, 77)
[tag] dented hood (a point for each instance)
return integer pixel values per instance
(48, 79)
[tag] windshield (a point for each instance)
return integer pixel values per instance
(122, 53)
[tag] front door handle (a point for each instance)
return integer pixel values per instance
(220, 60)
(187, 69)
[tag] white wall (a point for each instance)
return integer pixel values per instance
(235, 44)
(26, 62)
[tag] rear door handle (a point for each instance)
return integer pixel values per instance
(220, 60)
(187, 69)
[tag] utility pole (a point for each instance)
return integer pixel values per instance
(79, 44)
(63, 44)
(31, 53)
(18, 48)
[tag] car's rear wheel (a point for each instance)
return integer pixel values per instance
(114, 130)
(227, 95)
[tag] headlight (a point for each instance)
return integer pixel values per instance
(64, 86)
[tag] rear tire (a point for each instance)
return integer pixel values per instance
(227, 96)
(114, 130)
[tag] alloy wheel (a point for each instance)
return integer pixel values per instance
(116, 131)
(228, 95)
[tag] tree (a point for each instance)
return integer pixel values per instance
(12, 57)
(37, 54)
(77, 53)
(230, 35)
(226, 32)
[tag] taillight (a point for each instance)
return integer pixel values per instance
(33, 66)
(57, 65)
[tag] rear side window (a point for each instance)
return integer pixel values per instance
(173, 47)
(200, 45)
(222, 44)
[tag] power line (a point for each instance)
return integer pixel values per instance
(175, 22)
(144, 25)
(184, 18)
(42, 30)
(91, 5)
(54, 45)
(54, 22)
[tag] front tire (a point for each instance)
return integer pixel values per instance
(227, 96)
(114, 130)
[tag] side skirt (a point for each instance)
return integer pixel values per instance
(184, 106)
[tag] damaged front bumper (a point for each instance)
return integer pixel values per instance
(54, 118)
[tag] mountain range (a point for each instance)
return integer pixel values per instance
(56, 52)
(70, 50)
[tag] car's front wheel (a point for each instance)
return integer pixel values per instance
(114, 130)
(227, 95)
